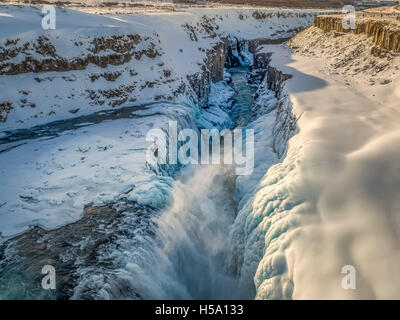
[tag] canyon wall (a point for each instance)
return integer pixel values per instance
(384, 34)
(268, 78)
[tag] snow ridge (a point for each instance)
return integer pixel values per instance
(333, 200)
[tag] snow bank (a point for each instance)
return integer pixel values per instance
(334, 200)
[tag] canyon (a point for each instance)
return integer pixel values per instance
(78, 193)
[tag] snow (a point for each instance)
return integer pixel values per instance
(158, 253)
(154, 192)
(47, 181)
(334, 199)
(221, 95)
(42, 97)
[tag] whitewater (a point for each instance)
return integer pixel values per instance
(190, 257)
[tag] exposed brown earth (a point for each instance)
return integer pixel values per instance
(123, 49)
(383, 26)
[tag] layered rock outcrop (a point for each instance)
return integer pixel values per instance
(385, 34)
(286, 122)
(211, 71)
(268, 79)
(42, 56)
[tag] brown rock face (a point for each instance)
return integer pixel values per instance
(216, 60)
(212, 71)
(5, 109)
(122, 48)
(275, 79)
(385, 35)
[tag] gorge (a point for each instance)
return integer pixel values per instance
(80, 195)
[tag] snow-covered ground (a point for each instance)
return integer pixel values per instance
(48, 181)
(171, 47)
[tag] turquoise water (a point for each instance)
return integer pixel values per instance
(241, 110)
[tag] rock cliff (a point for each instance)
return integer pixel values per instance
(385, 32)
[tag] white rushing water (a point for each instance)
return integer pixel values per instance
(194, 230)
(184, 250)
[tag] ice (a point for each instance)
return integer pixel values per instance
(221, 95)
(49, 180)
(153, 192)
(333, 199)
